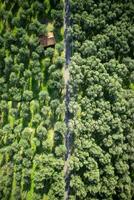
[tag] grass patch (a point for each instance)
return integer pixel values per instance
(48, 6)
(62, 31)
(10, 118)
(45, 197)
(31, 192)
(13, 184)
(50, 137)
(132, 86)
(1, 26)
(50, 27)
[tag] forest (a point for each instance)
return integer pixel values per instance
(66, 100)
(102, 100)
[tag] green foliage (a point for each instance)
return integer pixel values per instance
(101, 101)
(101, 79)
(31, 164)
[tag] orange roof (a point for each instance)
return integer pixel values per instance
(50, 35)
(47, 40)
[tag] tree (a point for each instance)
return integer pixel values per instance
(27, 95)
(49, 52)
(44, 97)
(59, 48)
(41, 133)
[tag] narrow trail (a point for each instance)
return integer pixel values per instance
(68, 138)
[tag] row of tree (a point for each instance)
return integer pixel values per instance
(31, 101)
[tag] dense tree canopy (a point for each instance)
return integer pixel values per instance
(101, 103)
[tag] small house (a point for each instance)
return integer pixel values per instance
(47, 40)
